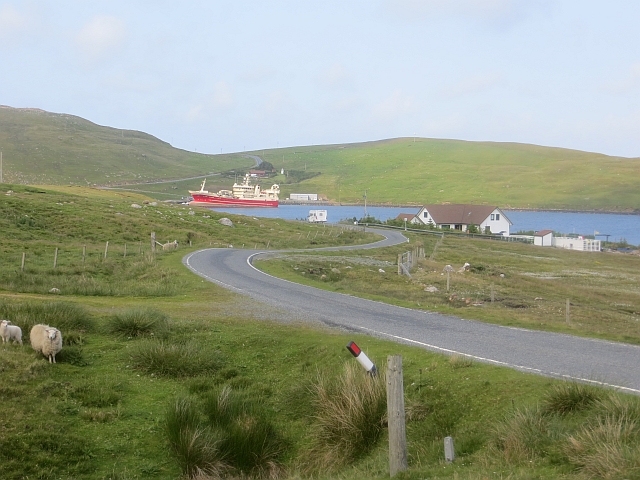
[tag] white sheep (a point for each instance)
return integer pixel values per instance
(10, 332)
(46, 340)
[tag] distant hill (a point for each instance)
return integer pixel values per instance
(422, 170)
(57, 149)
(49, 148)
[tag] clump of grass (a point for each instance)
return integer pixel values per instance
(181, 359)
(228, 433)
(349, 419)
(249, 442)
(62, 315)
(460, 361)
(139, 323)
(571, 397)
(192, 443)
(521, 436)
(606, 448)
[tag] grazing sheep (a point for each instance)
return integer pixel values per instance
(170, 246)
(46, 340)
(10, 332)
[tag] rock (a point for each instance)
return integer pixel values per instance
(335, 270)
(154, 204)
(381, 270)
(226, 222)
(191, 212)
(431, 289)
(135, 205)
(55, 290)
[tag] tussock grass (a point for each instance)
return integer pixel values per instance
(228, 433)
(349, 418)
(571, 397)
(521, 436)
(606, 448)
(62, 315)
(139, 323)
(191, 442)
(460, 361)
(175, 359)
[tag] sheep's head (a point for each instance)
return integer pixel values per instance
(4, 323)
(51, 333)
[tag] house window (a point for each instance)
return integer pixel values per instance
(425, 214)
(497, 216)
(446, 227)
(458, 227)
(493, 217)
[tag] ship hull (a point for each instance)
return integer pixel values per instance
(217, 201)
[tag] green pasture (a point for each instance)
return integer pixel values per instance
(47, 148)
(164, 375)
(422, 171)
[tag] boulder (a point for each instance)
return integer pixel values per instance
(226, 222)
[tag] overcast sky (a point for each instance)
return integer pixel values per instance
(232, 75)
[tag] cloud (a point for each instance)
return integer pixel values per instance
(473, 84)
(102, 37)
(630, 81)
(393, 106)
(12, 21)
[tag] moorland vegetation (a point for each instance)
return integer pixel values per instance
(163, 375)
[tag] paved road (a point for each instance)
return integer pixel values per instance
(544, 353)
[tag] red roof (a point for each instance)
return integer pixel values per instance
(543, 233)
(405, 216)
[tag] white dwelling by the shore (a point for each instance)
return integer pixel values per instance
(545, 238)
(488, 219)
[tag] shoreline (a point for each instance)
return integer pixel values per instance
(329, 203)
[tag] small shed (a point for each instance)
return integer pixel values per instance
(543, 238)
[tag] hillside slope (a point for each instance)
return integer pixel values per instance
(49, 148)
(420, 171)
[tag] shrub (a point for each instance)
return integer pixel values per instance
(62, 315)
(460, 361)
(138, 323)
(350, 411)
(571, 397)
(186, 359)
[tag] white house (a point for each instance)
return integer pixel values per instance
(488, 219)
(543, 238)
(577, 243)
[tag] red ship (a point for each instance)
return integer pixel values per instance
(243, 195)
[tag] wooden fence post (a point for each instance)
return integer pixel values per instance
(396, 415)
(399, 264)
(125, 250)
(153, 242)
(55, 258)
(106, 249)
(493, 293)
(24, 254)
(568, 312)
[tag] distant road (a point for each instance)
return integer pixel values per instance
(255, 158)
(543, 353)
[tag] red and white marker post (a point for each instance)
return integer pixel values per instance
(362, 358)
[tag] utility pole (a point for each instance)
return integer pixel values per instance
(365, 204)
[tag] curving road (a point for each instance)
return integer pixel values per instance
(551, 354)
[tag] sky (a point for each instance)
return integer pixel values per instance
(225, 76)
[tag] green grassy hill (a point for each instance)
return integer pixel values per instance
(48, 148)
(404, 171)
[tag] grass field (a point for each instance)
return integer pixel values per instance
(421, 171)
(45, 148)
(163, 375)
